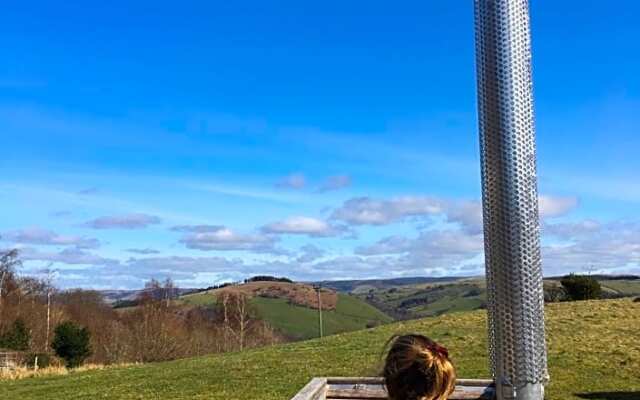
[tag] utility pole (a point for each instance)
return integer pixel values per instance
(320, 328)
(4, 273)
(46, 341)
(50, 275)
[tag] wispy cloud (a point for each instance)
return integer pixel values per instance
(145, 251)
(88, 191)
(293, 181)
(61, 213)
(196, 228)
(335, 182)
(39, 236)
(71, 256)
(309, 253)
(113, 204)
(129, 221)
(248, 192)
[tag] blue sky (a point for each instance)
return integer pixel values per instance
(210, 141)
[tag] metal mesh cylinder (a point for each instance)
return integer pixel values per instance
(510, 200)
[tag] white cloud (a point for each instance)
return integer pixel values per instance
(551, 207)
(368, 211)
(128, 221)
(432, 248)
(467, 213)
(605, 247)
(569, 230)
(300, 225)
(46, 237)
(224, 239)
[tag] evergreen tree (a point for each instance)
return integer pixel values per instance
(71, 343)
(17, 337)
(581, 287)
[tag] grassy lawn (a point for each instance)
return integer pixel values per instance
(450, 304)
(594, 347)
(302, 322)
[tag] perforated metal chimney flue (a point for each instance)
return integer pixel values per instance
(510, 199)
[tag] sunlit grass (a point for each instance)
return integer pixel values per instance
(24, 372)
(594, 346)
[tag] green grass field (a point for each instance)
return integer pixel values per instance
(594, 353)
(302, 322)
(624, 287)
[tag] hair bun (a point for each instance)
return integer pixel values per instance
(439, 350)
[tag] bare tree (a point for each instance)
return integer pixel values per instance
(169, 290)
(8, 262)
(50, 276)
(237, 316)
(154, 290)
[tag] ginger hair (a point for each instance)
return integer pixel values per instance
(417, 368)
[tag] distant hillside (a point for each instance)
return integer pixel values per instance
(593, 354)
(437, 298)
(360, 286)
(292, 308)
(115, 296)
(428, 299)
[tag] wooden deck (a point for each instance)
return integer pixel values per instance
(373, 389)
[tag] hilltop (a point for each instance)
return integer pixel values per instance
(299, 294)
(593, 354)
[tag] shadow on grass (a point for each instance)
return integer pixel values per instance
(610, 395)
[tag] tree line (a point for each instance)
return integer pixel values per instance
(37, 319)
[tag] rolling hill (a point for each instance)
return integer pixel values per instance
(417, 300)
(364, 285)
(593, 354)
(291, 308)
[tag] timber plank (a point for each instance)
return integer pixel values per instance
(372, 388)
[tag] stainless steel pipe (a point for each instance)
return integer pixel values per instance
(510, 199)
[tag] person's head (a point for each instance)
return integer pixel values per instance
(417, 368)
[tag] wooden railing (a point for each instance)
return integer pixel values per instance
(373, 389)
